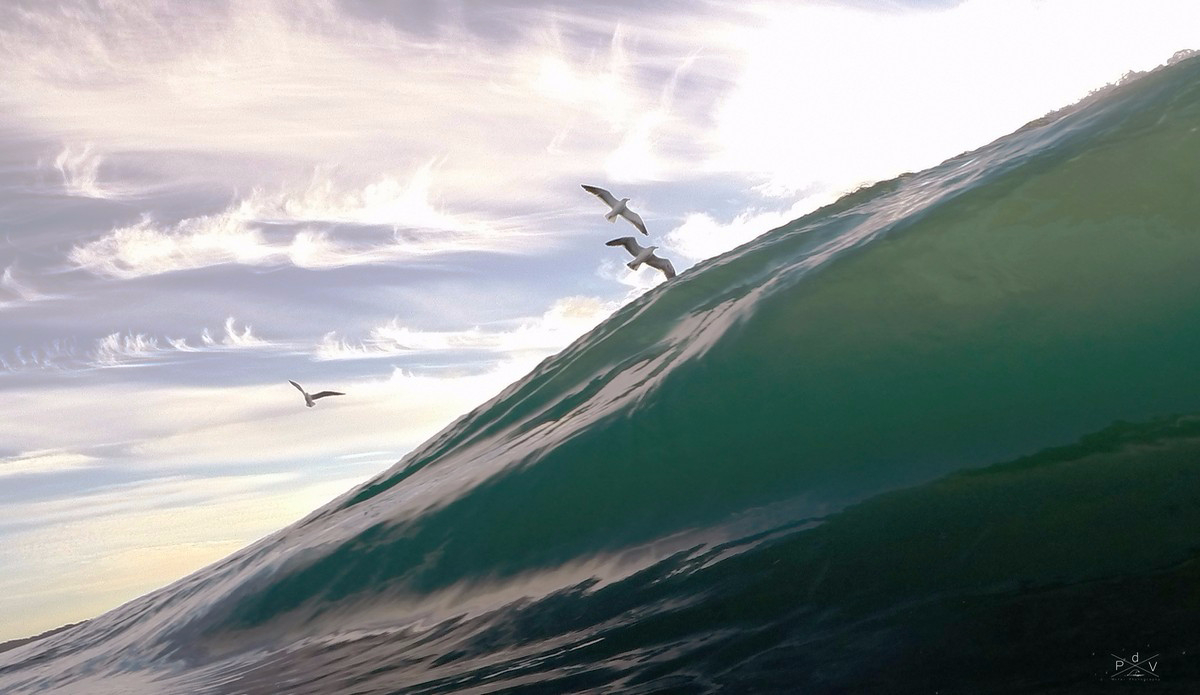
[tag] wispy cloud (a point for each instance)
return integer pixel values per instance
(787, 95)
(44, 462)
(16, 291)
(80, 171)
(387, 201)
(118, 349)
(292, 86)
(701, 236)
(54, 355)
(233, 337)
(637, 282)
(566, 320)
(641, 155)
(146, 248)
(236, 235)
(178, 427)
(129, 349)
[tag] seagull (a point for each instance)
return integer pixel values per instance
(618, 207)
(643, 254)
(310, 398)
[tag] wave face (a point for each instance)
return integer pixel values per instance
(942, 434)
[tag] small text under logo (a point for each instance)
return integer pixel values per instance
(1134, 668)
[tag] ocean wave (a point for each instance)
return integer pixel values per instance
(810, 463)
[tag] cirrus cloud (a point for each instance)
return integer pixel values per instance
(411, 227)
(567, 319)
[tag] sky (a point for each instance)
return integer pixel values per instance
(201, 201)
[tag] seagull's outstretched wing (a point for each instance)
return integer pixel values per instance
(662, 264)
(636, 219)
(323, 394)
(601, 194)
(628, 242)
(296, 385)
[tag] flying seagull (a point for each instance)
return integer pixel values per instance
(643, 254)
(618, 207)
(310, 398)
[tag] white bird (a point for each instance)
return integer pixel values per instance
(618, 207)
(309, 398)
(643, 254)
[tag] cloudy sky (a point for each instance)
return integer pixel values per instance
(200, 201)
